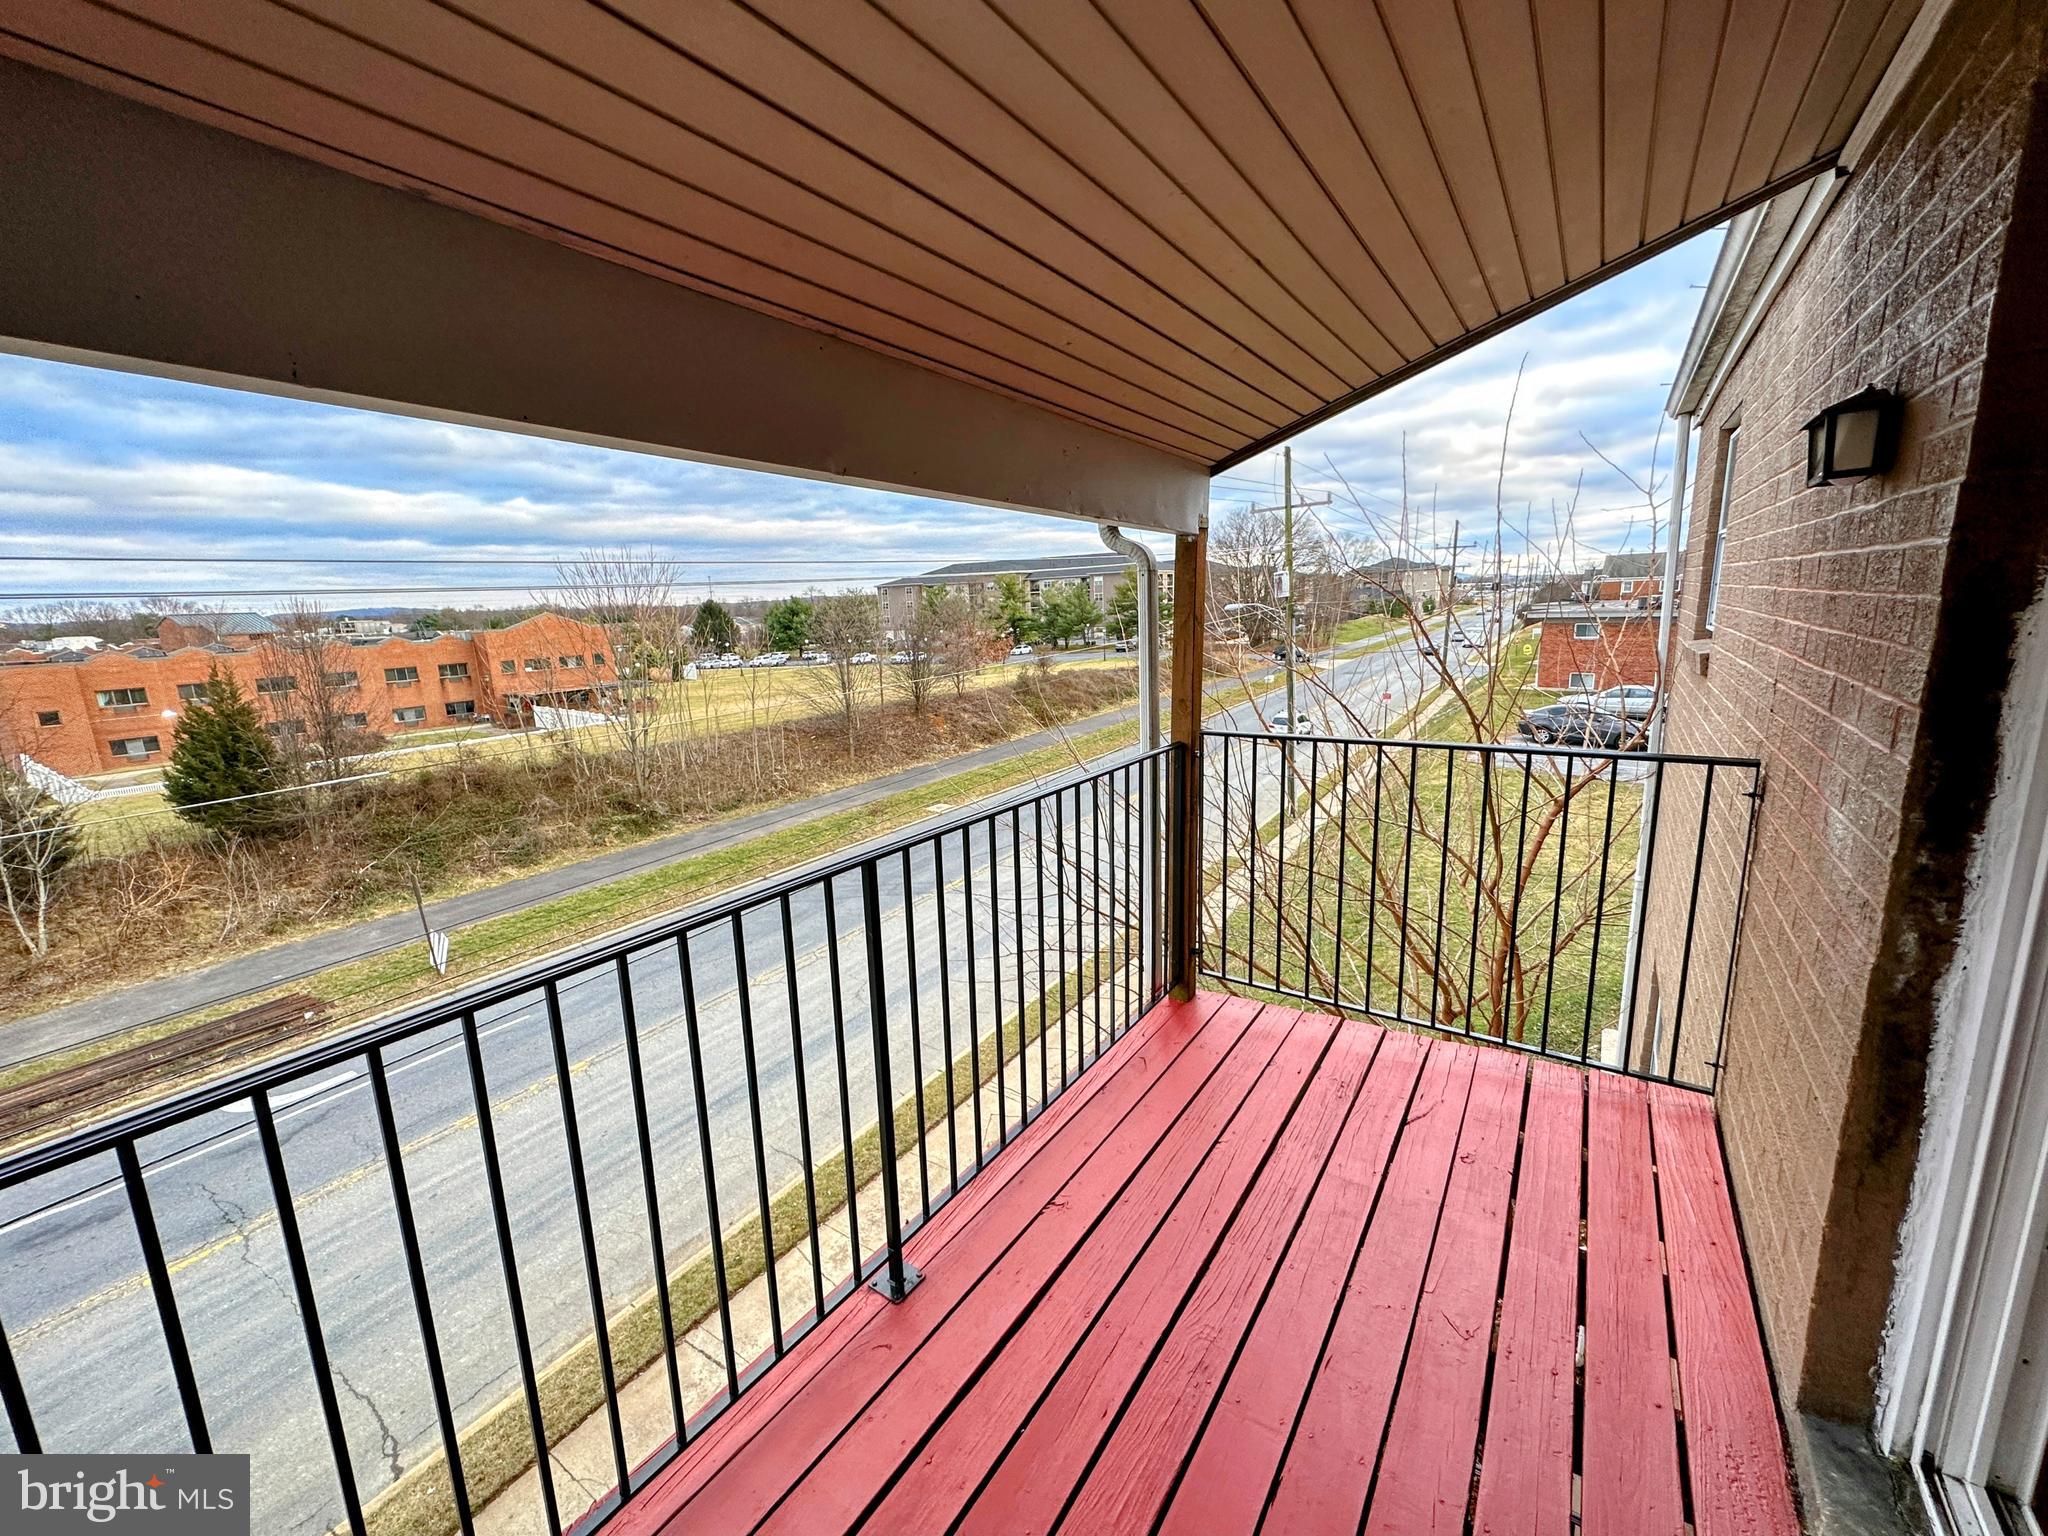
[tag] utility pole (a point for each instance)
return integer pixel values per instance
(1287, 596)
(1286, 573)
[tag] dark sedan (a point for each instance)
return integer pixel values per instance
(1577, 725)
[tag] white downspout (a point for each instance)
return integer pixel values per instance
(1668, 593)
(1148, 631)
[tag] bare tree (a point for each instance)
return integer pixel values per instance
(844, 626)
(634, 599)
(924, 643)
(311, 694)
(38, 841)
(965, 640)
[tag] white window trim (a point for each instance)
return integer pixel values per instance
(1962, 1380)
(1585, 629)
(1580, 682)
(1729, 444)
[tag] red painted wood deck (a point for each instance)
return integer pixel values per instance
(1262, 1270)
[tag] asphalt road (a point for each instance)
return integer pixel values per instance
(77, 1307)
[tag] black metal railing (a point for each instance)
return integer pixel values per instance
(1571, 901)
(634, 1175)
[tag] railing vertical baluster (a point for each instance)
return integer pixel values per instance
(1343, 857)
(1038, 914)
(973, 992)
(1223, 859)
(21, 1419)
(1645, 867)
(1372, 906)
(1407, 883)
(309, 1310)
(586, 1230)
(803, 1102)
(839, 1061)
(1252, 863)
(166, 1299)
(1564, 848)
(1443, 874)
(1755, 796)
(422, 1301)
(1510, 974)
(946, 1016)
(1599, 914)
(1096, 980)
(636, 1076)
(720, 1281)
(743, 993)
(1308, 907)
(1017, 927)
(897, 1277)
(924, 1187)
(1692, 912)
(1059, 884)
(508, 1260)
(1479, 902)
(1283, 791)
(995, 982)
(1133, 936)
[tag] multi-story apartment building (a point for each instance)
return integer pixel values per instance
(976, 581)
(118, 708)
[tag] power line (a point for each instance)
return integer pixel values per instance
(601, 559)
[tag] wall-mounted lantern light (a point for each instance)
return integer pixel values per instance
(1854, 438)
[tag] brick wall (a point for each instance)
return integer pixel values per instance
(81, 740)
(1830, 607)
(1625, 651)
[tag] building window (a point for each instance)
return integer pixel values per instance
(135, 746)
(462, 709)
(1627, 587)
(342, 679)
(1585, 631)
(536, 664)
(411, 714)
(508, 665)
(401, 677)
(454, 671)
(284, 728)
(597, 658)
(1727, 497)
(277, 685)
(49, 717)
(123, 698)
(191, 692)
(1580, 682)
(566, 662)
(356, 722)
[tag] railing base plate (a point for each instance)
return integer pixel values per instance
(881, 1283)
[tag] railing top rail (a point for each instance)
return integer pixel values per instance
(1517, 749)
(452, 1007)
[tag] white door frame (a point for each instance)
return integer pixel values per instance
(1963, 1385)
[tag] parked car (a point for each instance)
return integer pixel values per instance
(814, 656)
(1575, 723)
(862, 658)
(899, 658)
(1303, 725)
(1632, 701)
(1124, 645)
(1021, 650)
(1280, 653)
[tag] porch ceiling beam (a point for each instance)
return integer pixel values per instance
(144, 240)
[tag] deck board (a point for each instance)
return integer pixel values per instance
(1267, 1271)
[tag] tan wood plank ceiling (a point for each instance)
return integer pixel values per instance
(1198, 223)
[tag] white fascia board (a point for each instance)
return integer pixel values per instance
(146, 241)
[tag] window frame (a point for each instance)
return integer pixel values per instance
(1710, 598)
(1580, 682)
(153, 748)
(1579, 626)
(401, 677)
(111, 699)
(454, 671)
(409, 714)
(46, 718)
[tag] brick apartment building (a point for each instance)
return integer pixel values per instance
(118, 708)
(1632, 575)
(1588, 646)
(1875, 642)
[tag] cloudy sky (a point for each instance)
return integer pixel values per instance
(95, 463)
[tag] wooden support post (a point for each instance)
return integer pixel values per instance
(1184, 848)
